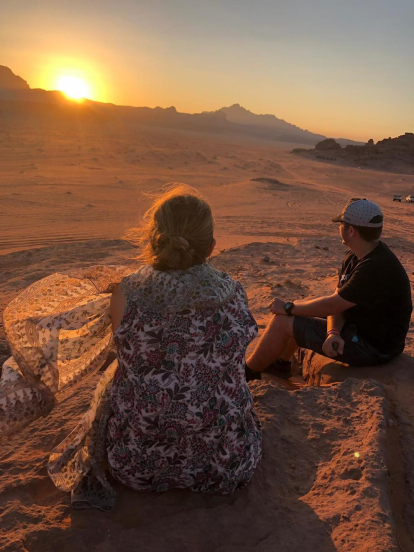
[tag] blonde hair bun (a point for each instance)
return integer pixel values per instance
(177, 230)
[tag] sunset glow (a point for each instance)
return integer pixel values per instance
(164, 55)
(73, 87)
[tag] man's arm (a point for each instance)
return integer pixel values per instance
(334, 344)
(335, 322)
(321, 307)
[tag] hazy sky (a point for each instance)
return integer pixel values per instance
(340, 68)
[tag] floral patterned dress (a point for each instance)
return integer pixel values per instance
(183, 414)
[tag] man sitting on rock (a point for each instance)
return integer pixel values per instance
(364, 323)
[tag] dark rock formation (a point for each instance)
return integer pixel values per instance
(391, 154)
(328, 144)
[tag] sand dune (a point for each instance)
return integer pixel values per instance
(66, 198)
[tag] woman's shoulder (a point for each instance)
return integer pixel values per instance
(220, 284)
(201, 285)
(135, 279)
(220, 275)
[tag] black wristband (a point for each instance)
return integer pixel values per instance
(288, 307)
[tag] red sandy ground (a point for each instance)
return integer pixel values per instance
(66, 197)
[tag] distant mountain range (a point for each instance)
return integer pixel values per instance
(18, 100)
(241, 116)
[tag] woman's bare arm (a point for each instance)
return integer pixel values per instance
(118, 306)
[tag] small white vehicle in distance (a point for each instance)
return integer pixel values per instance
(409, 199)
(397, 197)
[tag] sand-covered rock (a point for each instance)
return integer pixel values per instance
(310, 492)
(397, 382)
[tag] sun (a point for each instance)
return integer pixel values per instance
(73, 87)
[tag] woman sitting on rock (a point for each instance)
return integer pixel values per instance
(183, 414)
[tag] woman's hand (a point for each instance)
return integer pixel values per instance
(333, 346)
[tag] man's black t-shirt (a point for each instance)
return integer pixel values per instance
(380, 289)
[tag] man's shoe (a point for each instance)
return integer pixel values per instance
(251, 374)
(281, 368)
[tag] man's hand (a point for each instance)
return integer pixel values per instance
(277, 306)
(333, 346)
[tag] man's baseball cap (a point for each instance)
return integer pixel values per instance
(361, 212)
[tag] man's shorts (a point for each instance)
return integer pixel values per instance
(310, 333)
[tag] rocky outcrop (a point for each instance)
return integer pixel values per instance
(328, 145)
(391, 154)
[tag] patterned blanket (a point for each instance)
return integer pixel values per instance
(59, 333)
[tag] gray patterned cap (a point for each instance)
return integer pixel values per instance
(361, 212)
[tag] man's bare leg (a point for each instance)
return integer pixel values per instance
(272, 343)
(289, 349)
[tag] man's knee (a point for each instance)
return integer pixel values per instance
(283, 324)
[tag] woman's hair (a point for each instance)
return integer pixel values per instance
(176, 231)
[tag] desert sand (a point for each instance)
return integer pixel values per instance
(67, 196)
